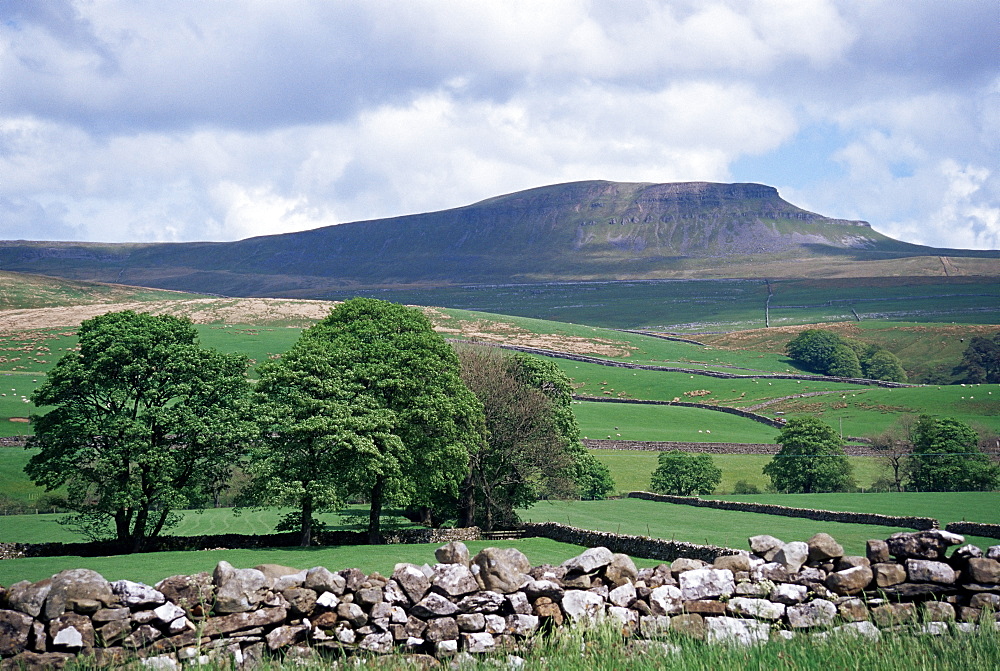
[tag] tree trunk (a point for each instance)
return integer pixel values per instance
(307, 510)
(467, 503)
(375, 514)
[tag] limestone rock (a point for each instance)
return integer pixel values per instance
(228, 624)
(682, 564)
(379, 642)
(666, 600)
(14, 630)
(993, 552)
(478, 642)
(352, 614)
(194, 593)
(72, 632)
(284, 636)
(652, 626)
(887, 575)
(454, 579)
(538, 588)
(168, 612)
(454, 552)
(432, 606)
(581, 605)
(930, 544)
(923, 570)
(733, 631)
(765, 546)
(762, 609)
(893, 614)
(353, 579)
(521, 624)
(817, 613)
(301, 601)
(877, 551)
(589, 561)
(734, 563)
(793, 555)
(517, 602)
(858, 630)
(442, 629)
(413, 581)
(706, 583)
(789, 594)
(502, 569)
(483, 602)
(849, 582)
(623, 596)
(851, 561)
(823, 547)
(27, 597)
(321, 579)
(984, 570)
(938, 611)
(238, 590)
(852, 610)
(621, 570)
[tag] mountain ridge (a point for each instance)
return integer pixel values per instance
(577, 230)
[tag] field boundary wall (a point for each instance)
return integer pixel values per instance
(920, 523)
(974, 528)
(768, 449)
(637, 546)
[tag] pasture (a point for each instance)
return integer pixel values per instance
(620, 421)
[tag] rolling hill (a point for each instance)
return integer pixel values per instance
(593, 230)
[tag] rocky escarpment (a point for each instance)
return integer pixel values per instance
(496, 600)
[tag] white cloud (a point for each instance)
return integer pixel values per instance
(192, 120)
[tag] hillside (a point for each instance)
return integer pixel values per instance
(567, 232)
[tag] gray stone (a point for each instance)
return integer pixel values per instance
(855, 630)
(849, 582)
(441, 629)
(301, 601)
(380, 643)
(930, 544)
(580, 605)
(284, 636)
(446, 648)
(589, 561)
(366, 597)
(478, 642)
(823, 547)
(852, 610)
(734, 563)
(168, 612)
(817, 613)
(683, 564)
(454, 552)
(412, 580)
(227, 624)
(993, 552)
(752, 589)
(788, 594)
(772, 571)
(273, 572)
(321, 579)
(652, 626)
(666, 600)
(938, 611)
(984, 570)
(521, 624)
(471, 622)
(352, 614)
(72, 631)
(14, 630)
(893, 614)
(454, 580)
(502, 569)
(887, 575)
(238, 590)
(706, 583)
(623, 596)
(327, 601)
(194, 593)
(793, 555)
(536, 588)
(517, 602)
(621, 570)
(483, 602)
(354, 579)
(765, 546)
(923, 570)
(877, 551)
(851, 561)
(27, 597)
(985, 600)
(434, 605)
(110, 615)
(626, 618)
(759, 608)
(733, 631)
(75, 586)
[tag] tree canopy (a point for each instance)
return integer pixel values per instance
(811, 459)
(144, 422)
(685, 474)
(423, 421)
(981, 359)
(827, 353)
(946, 458)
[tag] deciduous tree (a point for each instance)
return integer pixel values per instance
(981, 359)
(685, 474)
(145, 422)
(811, 459)
(946, 458)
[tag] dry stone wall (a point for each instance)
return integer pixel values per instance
(497, 601)
(975, 528)
(708, 448)
(785, 511)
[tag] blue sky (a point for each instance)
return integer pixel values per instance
(135, 120)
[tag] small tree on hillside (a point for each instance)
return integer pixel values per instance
(811, 459)
(878, 363)
(685, 474)
(946, 458)
(843, 362)
(894, 446)
(814, 348)
(981, 360)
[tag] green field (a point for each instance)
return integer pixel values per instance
(727, 528)
(631, 469)
(702, 305)
(621, 421)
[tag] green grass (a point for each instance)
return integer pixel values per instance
(152, 567)
(943, 506)
(631, 469)
(622, 421)
(727, 528)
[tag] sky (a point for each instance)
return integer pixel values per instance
(144, 120)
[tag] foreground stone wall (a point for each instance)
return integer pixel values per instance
(785, 511)
(497, 600)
